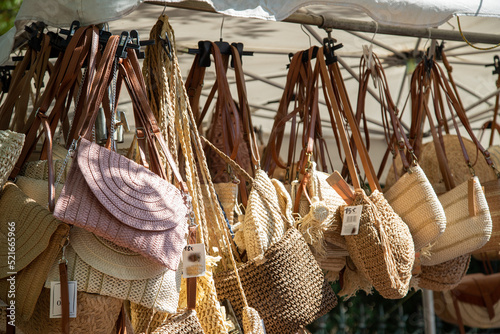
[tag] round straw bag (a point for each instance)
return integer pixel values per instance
(459, 169)
(38, 239)
(95, 314)
(11, 144)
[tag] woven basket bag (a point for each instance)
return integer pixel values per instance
(11, 144)
(285, 286)
(444, 276)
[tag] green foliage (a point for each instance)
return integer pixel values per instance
(8, 11)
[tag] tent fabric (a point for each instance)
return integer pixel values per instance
(422, 13)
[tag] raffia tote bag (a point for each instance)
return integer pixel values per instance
(475, 302)
(122, 201)
(492, 193)
(11, 144)
(103, 268)
(412, 196)
(38, 239)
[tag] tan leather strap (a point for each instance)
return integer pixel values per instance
(137, 91)
(191, 282)
(64, 75)
(99, 85)
(51, 181)
(293, 84)
(365, 159)
(63, 280)
(338, 120)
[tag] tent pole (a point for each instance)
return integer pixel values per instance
(430, 321)
(478, 102)
(354, 25)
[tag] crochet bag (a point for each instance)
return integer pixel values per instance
(383, 250)
(468, 220)
(102, 185)
(284, 284)
(412, 196)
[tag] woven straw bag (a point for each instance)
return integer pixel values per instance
(132, 206)
(322, 220)
(444, 276)
(285, 286)
(414, 199)
(40, 170)
(492, 193)
(95, 314)
(412, 196)
(11, 144)
(383, 250)
(103, 268)
(39, 238)
(182, 323)
(265, 222)
(270, 282)
(464, 232)
(475, 302)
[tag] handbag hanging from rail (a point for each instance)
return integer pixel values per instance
(271, 280)
(155, 226)
(468, 221)
(412, 196)
(383, 249)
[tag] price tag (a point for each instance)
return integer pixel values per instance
(350, 223)
(55, 299)
(193, 261)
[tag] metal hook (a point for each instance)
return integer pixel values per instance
(167, 46)
(221, 26)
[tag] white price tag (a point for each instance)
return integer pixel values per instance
(55, 299)
(193, 261)
(350, 223)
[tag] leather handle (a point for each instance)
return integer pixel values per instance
(48, 137)
(191, 282)
(63, 276)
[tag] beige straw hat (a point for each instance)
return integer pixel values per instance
(33, 227)
(39, 238)
(111, 259)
